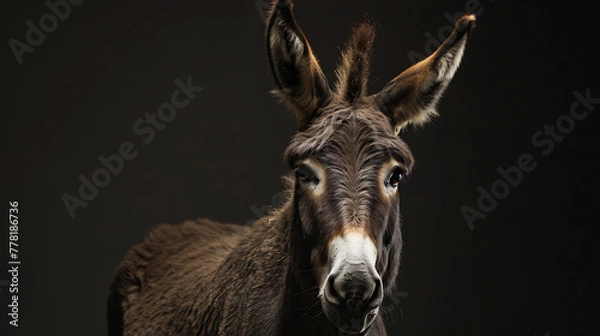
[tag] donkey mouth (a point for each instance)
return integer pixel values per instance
(351, 319)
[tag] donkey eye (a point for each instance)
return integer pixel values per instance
(304, 175)
(395, 177)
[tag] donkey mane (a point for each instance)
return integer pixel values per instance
(353, 71)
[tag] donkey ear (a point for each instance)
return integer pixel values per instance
(412, 96)
(300, 81)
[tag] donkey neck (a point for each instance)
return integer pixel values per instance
(274, 256)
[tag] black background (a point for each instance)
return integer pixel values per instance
(529, 268)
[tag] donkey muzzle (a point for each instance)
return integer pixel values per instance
(352, 291)
(352, 298)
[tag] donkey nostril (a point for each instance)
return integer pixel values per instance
(353, 284)
(376, 297)
(331, 293)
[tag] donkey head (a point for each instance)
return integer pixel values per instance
(348, 159)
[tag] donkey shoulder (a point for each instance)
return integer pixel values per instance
(171, 246)
(167, 253)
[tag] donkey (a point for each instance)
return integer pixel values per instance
(322, 263)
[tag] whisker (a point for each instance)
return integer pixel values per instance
(307, 290)
(310, 307)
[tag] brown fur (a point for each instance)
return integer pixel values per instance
(353, 72)
(412, 96)
(202, 278)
